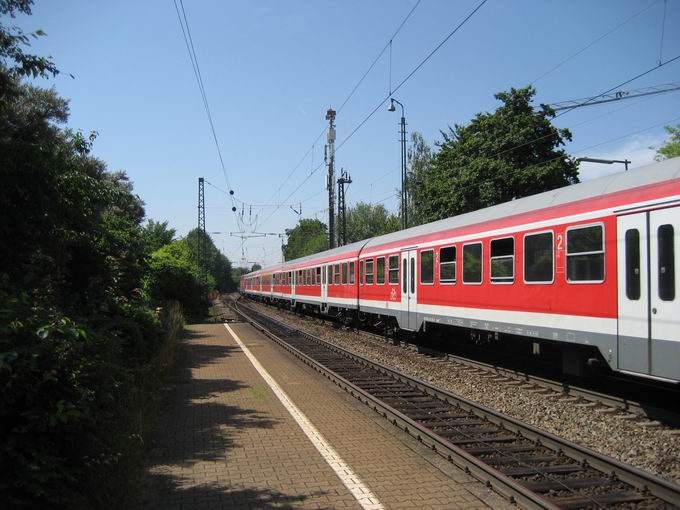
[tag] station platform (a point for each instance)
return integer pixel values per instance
(247, 426)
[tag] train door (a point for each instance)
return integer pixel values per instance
(409, 290)
(649, 278)
(324, 288)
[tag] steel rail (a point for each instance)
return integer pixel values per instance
(565, 388)
(611, 472)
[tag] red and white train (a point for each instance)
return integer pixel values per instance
(591, 268)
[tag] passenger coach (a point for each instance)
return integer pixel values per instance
(591, 268)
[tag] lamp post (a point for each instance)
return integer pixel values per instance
(404, 199)
(626, 162)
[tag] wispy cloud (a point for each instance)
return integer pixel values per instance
(639, 150)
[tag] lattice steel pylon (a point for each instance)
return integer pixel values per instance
(200, 238)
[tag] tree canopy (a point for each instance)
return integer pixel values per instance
(497, 157)
(306, 238)
(157, 234)
(369, 220)
(79, 280)
(671, 147)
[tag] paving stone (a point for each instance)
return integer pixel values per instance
(225, 441)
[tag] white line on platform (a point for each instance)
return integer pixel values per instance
(360, 491)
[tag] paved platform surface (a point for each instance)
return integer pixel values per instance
(225, 440)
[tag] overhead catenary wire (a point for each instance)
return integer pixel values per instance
(342, 105)
(189, 42)
(410, 74)
(383, 101)
(587, 101)
(595, 41)
(363, 188)
(639, 75)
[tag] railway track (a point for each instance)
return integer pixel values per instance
(616, 402)
(530, 467)
(612, 397)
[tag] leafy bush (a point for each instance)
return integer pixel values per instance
(173, 276)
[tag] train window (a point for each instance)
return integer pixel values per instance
(336, 274)
(447, 265)
(369, 272)
(665, 235)
(394, 269)
(361, 272)
(472, 263)
(413, 275)
(502, 262)
(352, 270)
(538, 258)
(329, 275)
(318, 276)
(633, 264)
(380, 271)
(403, 277)
(344, 273)
(585, 254)
(427, 267)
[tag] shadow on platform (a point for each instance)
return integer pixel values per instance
(197, 425)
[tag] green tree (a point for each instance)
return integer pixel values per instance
(157, 234)
(15, 63)
(368, 220)
(214, 264)
(256, 267)
(500, 156)
(420, 160)
(75, 332)
(671, 147)
(307, 237)
(174, 276)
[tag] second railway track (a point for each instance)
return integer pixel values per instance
(529, 466)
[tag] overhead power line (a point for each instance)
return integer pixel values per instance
(189, 42)
(592, 43)
(383, 101)
(615, 96)
(344, 103)
(413, 71)
(587, 102)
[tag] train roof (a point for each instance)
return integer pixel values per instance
(643, 176)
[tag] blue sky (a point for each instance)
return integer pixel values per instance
(271, 69)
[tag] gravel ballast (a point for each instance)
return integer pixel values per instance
(632, 440)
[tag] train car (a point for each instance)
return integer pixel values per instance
(592, 268)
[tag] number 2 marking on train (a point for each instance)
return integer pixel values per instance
(560, 240)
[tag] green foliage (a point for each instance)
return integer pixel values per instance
(215, 265)
(500, 156)
(420, 158)
(14, 62)
(174, 276)
(306, 238)
(671, 147)
(157, 234)
(76, 334)
(62, 388)
(367, 220)
(256, 267)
